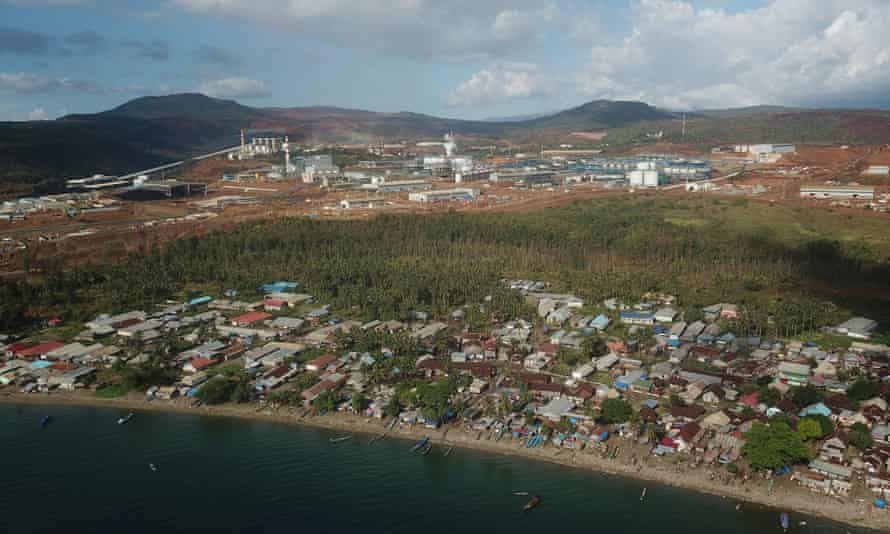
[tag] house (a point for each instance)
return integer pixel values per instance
(637, 318)
(729, 311)
(429, 331)
(583, 371)
(858, 327)
(330, 383)
(606, 362)
(794, 374)
(627, 380)
(559, 315)
(687, 436)
(717, 419)
(274, 304)
(555, 409)
(831, 470)
(321, 363)
(600, 322)
(249, 319)
(198, 364)
(665, 315)
(37, 351)
(536, 361)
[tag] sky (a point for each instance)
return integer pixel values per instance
(456, 58)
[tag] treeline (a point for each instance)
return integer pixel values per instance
(390, 265)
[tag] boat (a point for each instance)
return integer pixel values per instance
(451, 448)
(534, 501)
(420, 444)
(126, 419)
(340, 439)
(392, 423)
(377, 438)
(520, 493)
(45, 420)
(784, 521)
(643, 495)
(426, 450)
(153, 467)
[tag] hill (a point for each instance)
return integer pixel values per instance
(153, 130)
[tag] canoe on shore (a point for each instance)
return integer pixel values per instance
(340, 439)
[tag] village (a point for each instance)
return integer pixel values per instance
(605, 378)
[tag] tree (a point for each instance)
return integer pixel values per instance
(773, 446)
(862, 390)
(594, 347)
(860, 436)
(768, 396)
(359, 402)
(805, 396)
(216, 391)
(809, 429)
(615, 411)
(326, 401)
(392, 408)
(824, 422)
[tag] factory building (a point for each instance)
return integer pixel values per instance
(164, 189)
(362, 203)
(877, 170)
(400, 186)
(445, 195)
(646, 175)
(838, 192)
(97, 181)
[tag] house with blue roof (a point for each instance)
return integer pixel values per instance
(601, 322)
(637, 318)
(816, 409)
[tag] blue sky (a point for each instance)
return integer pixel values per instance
(460, 58)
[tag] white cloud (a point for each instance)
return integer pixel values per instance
(234, 87)
(38, 114)
(788, 51)
(26, 82)
(503, 83)
(454, 30)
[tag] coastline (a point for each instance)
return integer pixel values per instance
(786, 496)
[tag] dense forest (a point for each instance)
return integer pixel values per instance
(788, 279)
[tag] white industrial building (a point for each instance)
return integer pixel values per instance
(838, 192)
(445, 195)
(362, 203)
(776, 148)
(877, 170)
(645, 175)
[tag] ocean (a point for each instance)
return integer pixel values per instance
(83, 473)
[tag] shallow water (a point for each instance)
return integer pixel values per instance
(84, 473)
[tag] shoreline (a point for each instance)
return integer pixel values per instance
(786, 496)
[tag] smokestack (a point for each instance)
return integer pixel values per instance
(286, 155)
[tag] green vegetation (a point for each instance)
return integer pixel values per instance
(862, 390)
(860, 436)
(234, 388)
(111, 392)
(773, 446)
(616, 411)
(783, 266)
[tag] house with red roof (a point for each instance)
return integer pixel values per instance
(321, 363)
(38, 351)
(274, 304)
(199, 364)
(250, 318)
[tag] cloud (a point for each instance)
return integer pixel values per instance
(38, 114)
(87, 42)
(155, 50)
(234, 87)
(503, 83)
(23, 42)
(48, 3)
(804, 52)
(454, 30)
(25, 82)
(217, 56)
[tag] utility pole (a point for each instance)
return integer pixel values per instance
(684, 125)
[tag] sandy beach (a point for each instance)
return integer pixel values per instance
(786, 495)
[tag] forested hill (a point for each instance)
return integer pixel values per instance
(791, 270)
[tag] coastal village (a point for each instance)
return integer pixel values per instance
(624, 381)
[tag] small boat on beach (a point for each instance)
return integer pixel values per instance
(420, 444)
(392, 423)
(643, 495)
(520, 493)
(376, 438)
(784, 521)
(426, 450)
(448, 452)
(126, 419)
(534, 501)
(340, 439)
(45, 420)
